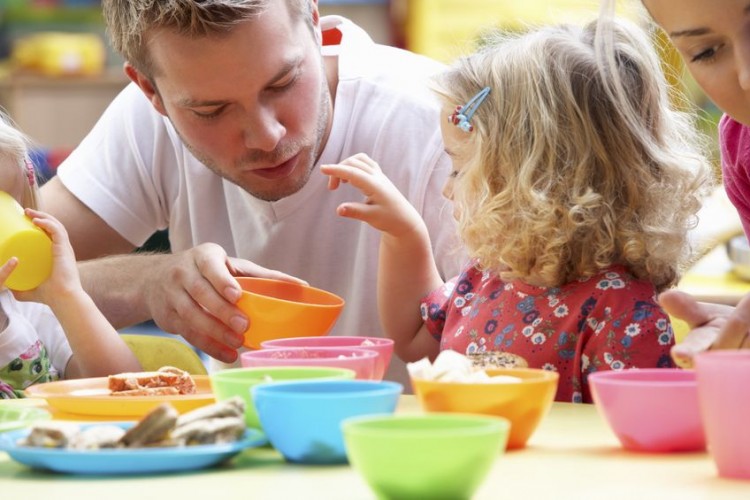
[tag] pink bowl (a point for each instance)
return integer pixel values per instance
(362, 361)
(723, 378)
(654, 409)
(384, 347)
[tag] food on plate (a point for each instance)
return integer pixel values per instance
(210, 431)
(222, 422)
(153, 428)
(97, 437)
(451, 366)
(232, 407)
(165, 381)
(51, 434)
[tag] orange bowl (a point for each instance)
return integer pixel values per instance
(280, 309)
(524, 403)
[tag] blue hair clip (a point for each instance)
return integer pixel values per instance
(462, 115)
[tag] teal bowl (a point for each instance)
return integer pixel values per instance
(239, 381)
(302, 420)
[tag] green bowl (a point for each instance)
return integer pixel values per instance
(21, 415)
(239, 381)
(436, 455)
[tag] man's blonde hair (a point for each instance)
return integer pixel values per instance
(129, 22)
(14, 161)
(580, 161)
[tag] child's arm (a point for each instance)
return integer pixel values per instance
(407, 270)
(97, 348)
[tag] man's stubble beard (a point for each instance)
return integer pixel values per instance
(313, 151)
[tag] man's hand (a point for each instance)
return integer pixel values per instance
(194, 293)
(190, 293)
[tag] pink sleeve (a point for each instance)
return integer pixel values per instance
(734, 139)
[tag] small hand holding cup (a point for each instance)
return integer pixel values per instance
(26, 245)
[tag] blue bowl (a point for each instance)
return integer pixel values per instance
(302, 420)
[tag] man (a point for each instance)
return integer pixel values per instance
(233, 106)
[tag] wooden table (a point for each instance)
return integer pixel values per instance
(573, 455)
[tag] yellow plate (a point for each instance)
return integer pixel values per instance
(90, 396)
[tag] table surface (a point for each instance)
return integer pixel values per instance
(573, 454)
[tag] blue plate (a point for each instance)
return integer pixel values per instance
(125, 461)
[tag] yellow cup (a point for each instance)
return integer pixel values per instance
(20, 238)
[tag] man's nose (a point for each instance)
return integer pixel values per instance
(264, 131)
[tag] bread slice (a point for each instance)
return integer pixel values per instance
(164, 381)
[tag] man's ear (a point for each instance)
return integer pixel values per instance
(316, 21)
(146, 86)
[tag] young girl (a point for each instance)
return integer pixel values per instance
(712, 36)
(574, 186)
(68, 337)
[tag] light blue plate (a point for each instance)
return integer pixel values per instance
(126, 461)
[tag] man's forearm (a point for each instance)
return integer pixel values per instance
(118, 284)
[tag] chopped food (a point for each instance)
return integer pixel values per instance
(451, 366)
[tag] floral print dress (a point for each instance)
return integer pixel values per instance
(611, 321)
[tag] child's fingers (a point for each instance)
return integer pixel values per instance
(333, 182)
(8, 268)
(362, 162)
(363, 181)
(48, 223)
(357, 211)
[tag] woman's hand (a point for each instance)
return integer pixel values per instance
(712, 326)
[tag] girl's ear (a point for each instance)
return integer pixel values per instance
(147, 87)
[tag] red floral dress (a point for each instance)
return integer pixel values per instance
(608, 322)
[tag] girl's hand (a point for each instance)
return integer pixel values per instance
(7, 268)
(384, 207)
(64, 278)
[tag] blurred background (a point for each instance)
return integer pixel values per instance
(58, 72)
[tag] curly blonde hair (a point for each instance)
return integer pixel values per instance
(580, 161)
(129, 22)
(14, 162)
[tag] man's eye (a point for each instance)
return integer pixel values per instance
(453, 174)
(285, 84)
(208, 114)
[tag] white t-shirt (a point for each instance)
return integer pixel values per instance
(27, 323)
(135, 173)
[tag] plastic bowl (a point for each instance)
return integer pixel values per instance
(383, 346)
(239, 381)
(425, 456)
(723, 377)
(303, 419)
(20, 415)
(279, 309)
(650, 409)
(362, 361)
(524, 403)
